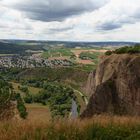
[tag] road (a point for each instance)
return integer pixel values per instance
(82, 95)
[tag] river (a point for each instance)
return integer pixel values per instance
(74, 111)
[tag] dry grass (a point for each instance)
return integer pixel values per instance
(38, 112)
(78, 51)
(85, 62)
(99, 127)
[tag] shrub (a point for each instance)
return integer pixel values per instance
(6, 97)
(20, 106)
(43, 102)
(108, 53)
(89, 55)
(126, 49)
(28, 99)
(24, 89)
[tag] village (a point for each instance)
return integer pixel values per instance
(18, 61)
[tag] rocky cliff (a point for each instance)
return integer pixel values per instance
(115, 86)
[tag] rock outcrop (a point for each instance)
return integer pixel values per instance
(115, 86)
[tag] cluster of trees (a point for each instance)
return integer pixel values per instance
(23, 89)
(33, 83)
(89, 55)
(58, 97)
(35, 77)
(126, 49)
(7, 98)
(10, 73)
(21, 107)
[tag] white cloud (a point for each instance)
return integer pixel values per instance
(102, 21)
(53, 10)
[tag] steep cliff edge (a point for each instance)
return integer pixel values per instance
(115, 86)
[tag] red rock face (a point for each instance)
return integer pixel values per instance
(115, 88)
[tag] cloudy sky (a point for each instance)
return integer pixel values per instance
(70, 20)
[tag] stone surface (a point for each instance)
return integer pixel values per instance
(115, 86)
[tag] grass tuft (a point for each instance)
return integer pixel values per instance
(97, 128)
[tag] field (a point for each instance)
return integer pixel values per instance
(57, 52)
(78, 51)
(98, 128)
(74, 54)
(37, 112)
(7, 54)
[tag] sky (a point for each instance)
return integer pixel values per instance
(70, 20)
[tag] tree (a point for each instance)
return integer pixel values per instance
(6, 93)
(7, 98)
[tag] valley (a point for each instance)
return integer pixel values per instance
(48, 62)
(69, 70)
(59, 90)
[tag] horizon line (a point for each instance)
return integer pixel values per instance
(125, 41)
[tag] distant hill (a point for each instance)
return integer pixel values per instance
(102, 43)
(14, 48)
(19, 46)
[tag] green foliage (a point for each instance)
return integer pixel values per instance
(111, 132)
(13, 48)
(24, 89)
(35, 77)
(20, 106)
(73, 57)
(57, 96)
(108, 52)
(89, 55)
(43, 102)
(6, 93)
(87, 68)
(131, 50)
(10, 73)
(34, 83)
(28, 99)
(41, 96)
(57, 52)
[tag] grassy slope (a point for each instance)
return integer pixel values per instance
(98, 128)
(64, 75)
(74, 77)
